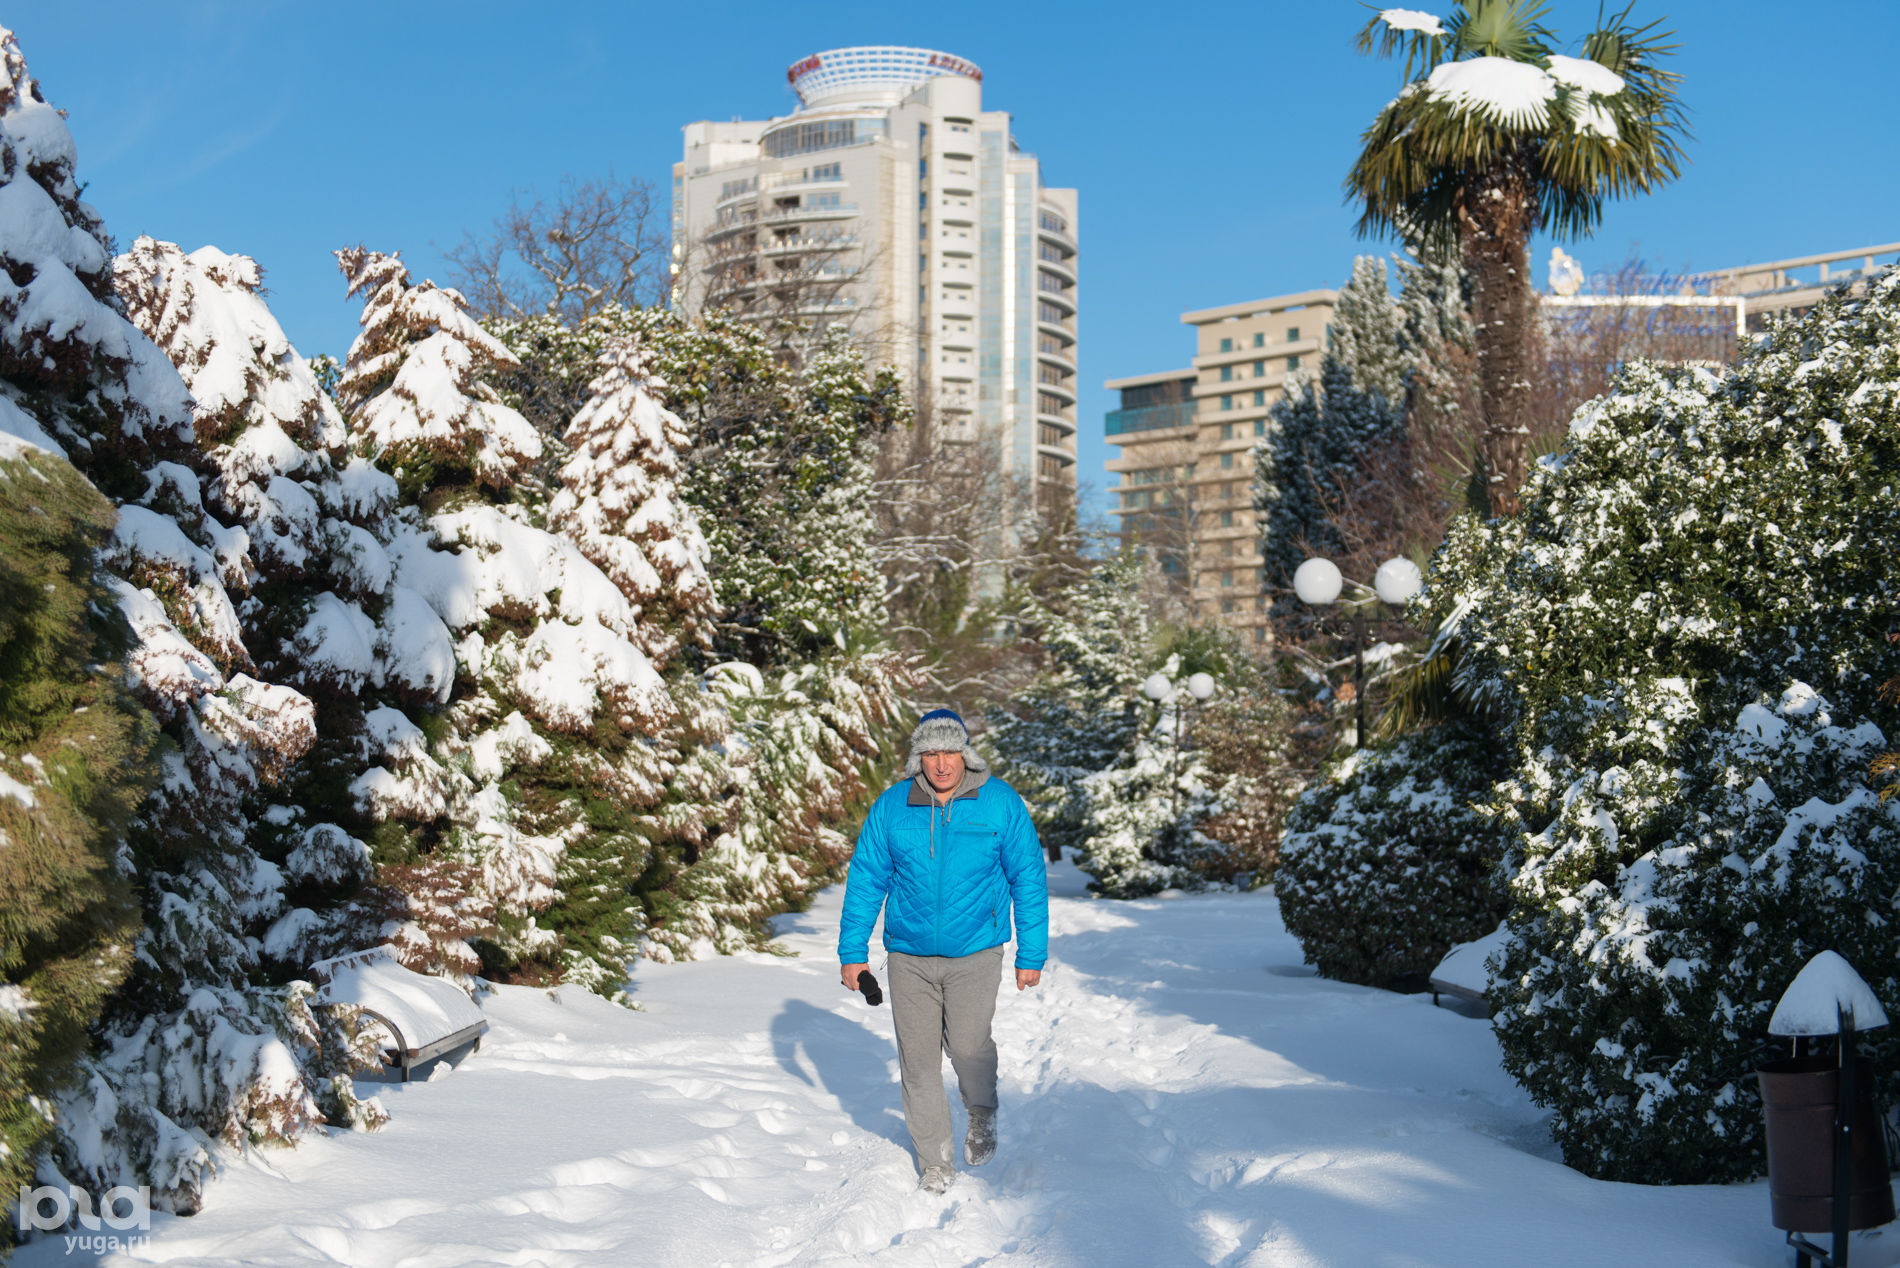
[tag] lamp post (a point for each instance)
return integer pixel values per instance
(1319, 583)
(1158, 689)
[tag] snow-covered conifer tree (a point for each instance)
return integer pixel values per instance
(191, 1047)
(1320, 433)
(1097, 766)
(74, 766)
(414, 385)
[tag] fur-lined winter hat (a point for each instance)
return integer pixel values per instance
(941, 731)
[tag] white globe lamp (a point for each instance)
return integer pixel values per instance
(1200, 686)
(1398, 581)
(1157, 687)
(1317, 582)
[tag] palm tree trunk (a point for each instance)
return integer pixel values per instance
(1495, 215)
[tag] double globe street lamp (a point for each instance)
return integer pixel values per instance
(1319, 583)
(1160, 690)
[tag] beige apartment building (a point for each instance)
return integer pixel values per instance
(1185, 470)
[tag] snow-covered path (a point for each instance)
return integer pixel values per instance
(1181, 1090)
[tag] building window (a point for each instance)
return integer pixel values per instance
(1259, 633)
(1226, 519)
(1260, 369)
(1226, 461)
(1226, 374)
(1227, 345)
(1259, 338)
(1259, 398)
(1259, 426)
(1226, 606)
(1226, 431)
(1226, 402)
(1292, 334)
(1293, 363)
(1227, 578)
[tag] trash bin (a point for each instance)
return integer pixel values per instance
(1799, 1096)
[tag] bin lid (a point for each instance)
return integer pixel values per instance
(1825, 988)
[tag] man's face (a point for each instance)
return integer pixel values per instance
(943, 771)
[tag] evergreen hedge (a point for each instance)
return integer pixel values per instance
(1386, 863)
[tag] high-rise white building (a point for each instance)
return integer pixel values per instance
(889, 199)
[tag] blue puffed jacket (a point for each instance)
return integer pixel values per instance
(946, 876)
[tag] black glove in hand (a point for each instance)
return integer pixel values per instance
(867, 984)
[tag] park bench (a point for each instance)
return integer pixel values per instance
(1461, 974)
(426, 1017)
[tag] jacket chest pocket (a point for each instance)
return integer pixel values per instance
(978, 840)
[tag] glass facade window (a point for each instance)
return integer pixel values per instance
(1227, 374)
(1293, 363)
(1226, 402)
(1292, 334)
(1259, 399)
(1259, 426)
(1227, 345)
(1260, 369)
(824, 134)
(1259, 338)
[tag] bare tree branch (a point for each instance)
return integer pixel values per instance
(597, 243)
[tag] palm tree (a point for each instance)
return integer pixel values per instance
(1493, 136)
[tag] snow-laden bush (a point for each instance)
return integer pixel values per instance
(1684, 632)
(1387, 862)
(74, 766)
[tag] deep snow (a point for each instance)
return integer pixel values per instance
(1180, 1090)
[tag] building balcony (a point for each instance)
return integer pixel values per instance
(795, 215)
(1061, 360)
(1057, 329)
(806, 243)
(1122, 422)
(1058, 237)
(1063, 390)
(1064, 299)
(718, 231)
(1058, 268)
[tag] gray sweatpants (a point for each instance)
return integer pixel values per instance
(944, 1004)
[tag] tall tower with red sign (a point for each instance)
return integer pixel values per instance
(890, 201)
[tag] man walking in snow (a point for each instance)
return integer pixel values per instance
(946, 854)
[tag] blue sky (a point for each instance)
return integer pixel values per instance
(1208, 150)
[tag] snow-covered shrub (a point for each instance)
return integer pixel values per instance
(1245, 730)
(1684, 631)
(1096, 763)
(84, 382)
(74, 767)
(1387, 863)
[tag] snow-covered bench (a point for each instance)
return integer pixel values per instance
(426, 1017)
(1461, 974)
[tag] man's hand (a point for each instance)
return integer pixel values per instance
(849, 975)
(1026, 978)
